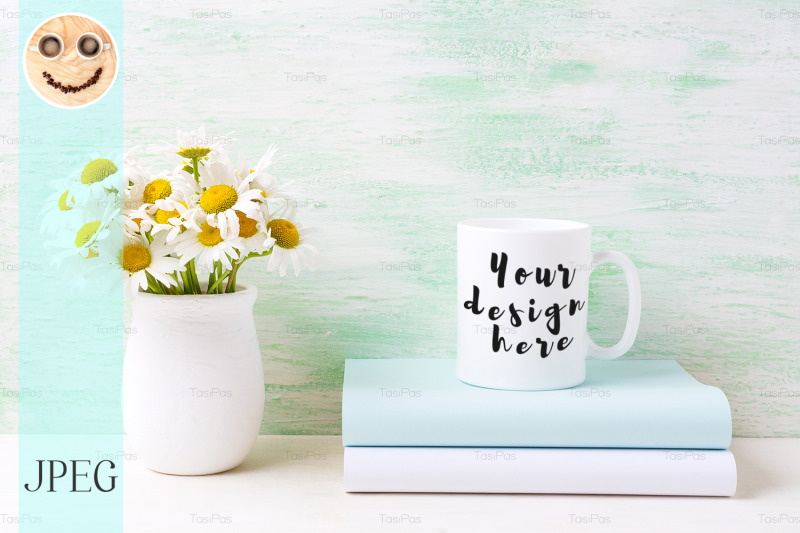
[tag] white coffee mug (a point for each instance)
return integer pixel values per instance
(523, 288)
(41, 47)
(95, 40)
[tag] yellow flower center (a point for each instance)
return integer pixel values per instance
(247, 226)
(194, 152)
(162, 216)
(62, 202)
(135, 258)
(97, 170)
(86, 232)
(209, 235)
(156, 190)
(218, 198)
(92, 254)
(284, 232)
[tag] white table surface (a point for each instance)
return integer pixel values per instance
(294, 484)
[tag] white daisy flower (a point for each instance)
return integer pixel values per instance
(254, 234)
(265, 182)
(163, 185)
(168, 215)
(131, 225)
(98, 178)
(139, 257)
(223, 194)
(292, 245)
(206, 246)
(197, 144)
(83, 237)
(60, 209)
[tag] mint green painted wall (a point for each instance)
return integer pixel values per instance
(654, 124)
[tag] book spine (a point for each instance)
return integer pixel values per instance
(693, 421)
(665, 472)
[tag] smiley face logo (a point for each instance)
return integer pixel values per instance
(71, 60)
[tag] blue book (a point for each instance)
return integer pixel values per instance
(622, 404)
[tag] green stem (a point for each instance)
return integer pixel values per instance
(211, 280)
(219, 277)
(195, 170)
(232, 278)
(216, 283)
(193, 279)
(177, 288)
(155, 286)
(187, 286)
(231, 287)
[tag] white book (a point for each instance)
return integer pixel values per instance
(540, 470)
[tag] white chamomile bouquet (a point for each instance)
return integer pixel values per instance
(184, 229)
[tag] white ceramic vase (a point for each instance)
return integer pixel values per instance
(193, 381)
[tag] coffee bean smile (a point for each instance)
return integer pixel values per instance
(71, 88)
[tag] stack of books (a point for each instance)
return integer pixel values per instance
(633, 427)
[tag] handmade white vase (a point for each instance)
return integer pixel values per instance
(193, 381)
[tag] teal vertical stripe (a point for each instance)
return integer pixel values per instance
(70, 341)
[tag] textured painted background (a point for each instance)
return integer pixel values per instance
(670, 128)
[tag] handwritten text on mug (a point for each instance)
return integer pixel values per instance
(553, 313)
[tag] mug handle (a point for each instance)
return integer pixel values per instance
(106, 46)
(634, 306)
